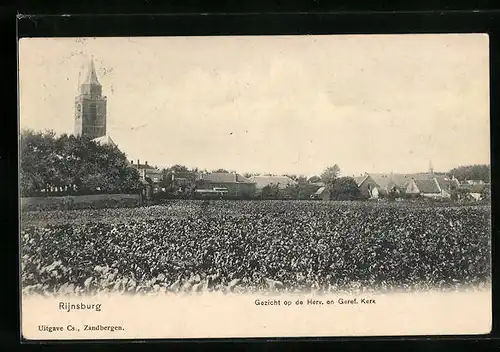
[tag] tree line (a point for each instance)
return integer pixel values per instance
(72, 165)
(69, 164)
(472, 172)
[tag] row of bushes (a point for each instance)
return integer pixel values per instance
(90, 201)
(73, 193)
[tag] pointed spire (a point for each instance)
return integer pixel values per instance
(91, 75)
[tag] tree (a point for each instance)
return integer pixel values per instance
(222, 171)
(166, 178)
(290, 192)
(179, 168)
(345, 188)
(178, 179)
(301, 180)
(330, 174)
(36, 157)
(314, 179)
(459, 194)
(298, 191)
(67, 162)
(305, 190)
(270, 192)
(471, 172)
(486, 194)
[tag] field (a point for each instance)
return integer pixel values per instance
(241, 246)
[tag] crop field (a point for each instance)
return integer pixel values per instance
(245, 246)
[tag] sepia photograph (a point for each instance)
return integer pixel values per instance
(254, 186)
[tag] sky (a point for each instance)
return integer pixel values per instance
(273, 104)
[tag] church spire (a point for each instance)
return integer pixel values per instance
(91, 75)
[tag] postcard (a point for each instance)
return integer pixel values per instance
(254, 186)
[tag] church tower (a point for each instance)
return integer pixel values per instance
(90, 107)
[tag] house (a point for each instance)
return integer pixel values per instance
(447, 184)
(387, 183)
(232, 184)
(367, 186)
(474, 182)
(183, 181)
(397, 182)
(412, 188)
(427, 188)
(476, 191)
(149, 173)
(183, 178)
(281, 181)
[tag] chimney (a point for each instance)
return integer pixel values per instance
(138, 163)
(146, 163)
(132, 162)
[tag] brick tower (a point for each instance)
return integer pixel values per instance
(90, 107)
